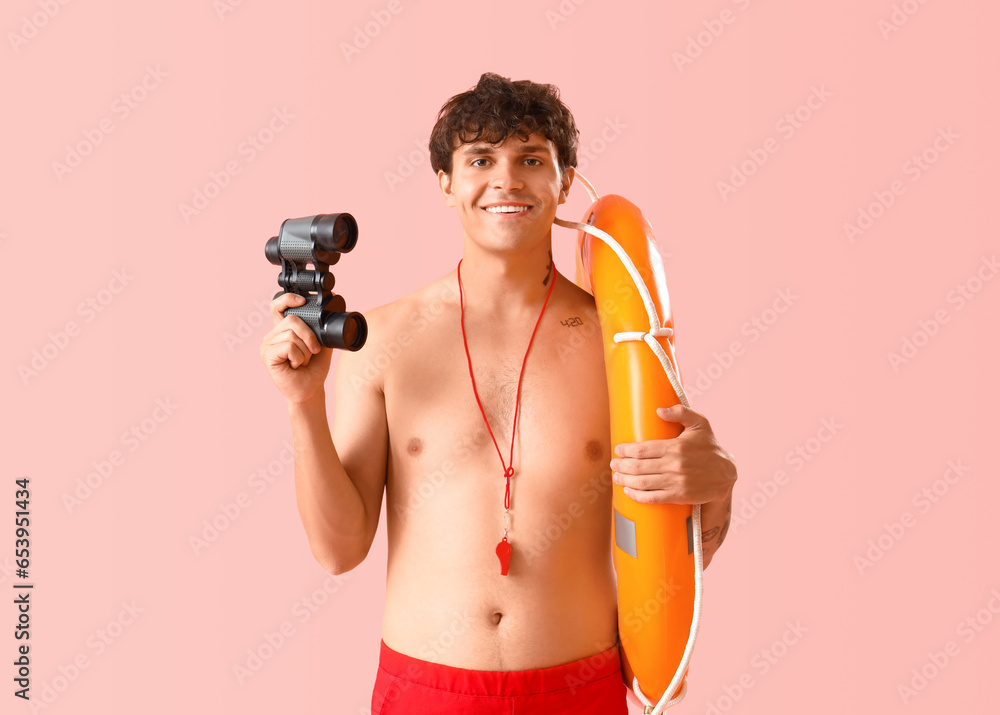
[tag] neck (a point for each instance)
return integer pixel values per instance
(506, 285)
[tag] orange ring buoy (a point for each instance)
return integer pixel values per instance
(657, 552)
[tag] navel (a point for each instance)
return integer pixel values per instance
(594, 451)
(415, 446)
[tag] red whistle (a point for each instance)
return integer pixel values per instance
(503, 553)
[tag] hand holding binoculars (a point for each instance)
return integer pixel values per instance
(318, 240)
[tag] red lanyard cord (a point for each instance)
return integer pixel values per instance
(508, 467)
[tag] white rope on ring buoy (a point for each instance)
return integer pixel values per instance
(656, 329)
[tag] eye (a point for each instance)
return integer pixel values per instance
(475, 162)
(537, 161)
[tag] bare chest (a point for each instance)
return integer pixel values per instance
(552, 405)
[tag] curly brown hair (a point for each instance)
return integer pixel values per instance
(495, 109)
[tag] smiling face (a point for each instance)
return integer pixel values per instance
(506, 194)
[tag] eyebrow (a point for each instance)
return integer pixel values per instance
(481, 148)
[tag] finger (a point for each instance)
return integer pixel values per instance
(298, 356)
(274, 355)
(650, 448)
(283, 302)
(672, 494)
(641, 482)
(298, 327)
(655, 496)
(650, 465)
(290, 347)
(683, 415)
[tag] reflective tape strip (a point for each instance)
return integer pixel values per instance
(625, 534)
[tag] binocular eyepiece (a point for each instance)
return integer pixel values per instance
(318, 240)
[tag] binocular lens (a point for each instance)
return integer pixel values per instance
(353, 330)
(335, 232)
(345, 331)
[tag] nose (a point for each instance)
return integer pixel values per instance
(506, 176)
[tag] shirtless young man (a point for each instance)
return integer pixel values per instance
(408, 424)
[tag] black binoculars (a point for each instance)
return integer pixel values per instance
(318, 240)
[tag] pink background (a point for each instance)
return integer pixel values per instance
(186, 325)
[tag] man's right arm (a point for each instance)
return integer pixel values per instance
(338, 488)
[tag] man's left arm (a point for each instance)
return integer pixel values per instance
(692, 468)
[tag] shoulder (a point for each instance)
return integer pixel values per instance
(415, 307)
(394, 326)
(574, 334)
(575, 302)
(576, 296)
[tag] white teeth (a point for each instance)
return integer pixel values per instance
(507, 209)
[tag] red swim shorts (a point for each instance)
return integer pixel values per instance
(408, 686)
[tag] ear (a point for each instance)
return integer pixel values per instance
(444, 182)
(567, 181)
